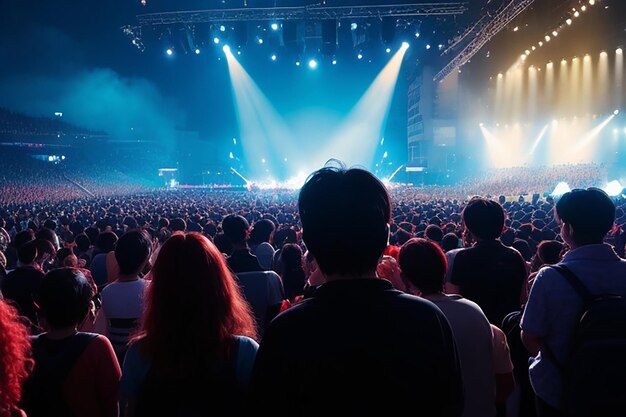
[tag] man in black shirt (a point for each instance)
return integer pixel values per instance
(236, 229)
(357, 346)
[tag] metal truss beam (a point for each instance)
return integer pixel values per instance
(302, 13)
(487, 29)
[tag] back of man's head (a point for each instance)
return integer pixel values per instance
(331, 198)
(132, 251)
(64, 297)
(589, 212)
(484, 218)
(235, 228)
(178, 225)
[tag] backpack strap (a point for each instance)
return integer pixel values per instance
(575, 282)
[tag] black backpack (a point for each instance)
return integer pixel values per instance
(594, 374)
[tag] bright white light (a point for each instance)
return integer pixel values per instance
(216, 40)
(231, 156)
(226, 49)
(616, 112)
(353, 26)
(417, 34)
(334, 62)
(481, 124)
(560, 189)
(516, 28)
(576, 14)
(312, 64)
(63, 157)
(500, 75)
(360, 56)
(197, 51)
(260, 41)
(274, 26)
(405, 45)
(388, 50)
(540, 43)
(618, 51)
(234, 141)
(603, 54)
(273, 57)
(51, 158)
(169, 51)
(172, 183)
(222, 28)
(263, 160)
(527, 52)
(385, 155)
(427, 46)
(583, 8)
(297, 63)
(555, 33)
(547, 38)
(592, 2)
(523, 57)
(568, 21)
(614, 188)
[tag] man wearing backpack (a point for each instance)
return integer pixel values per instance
(552, 329)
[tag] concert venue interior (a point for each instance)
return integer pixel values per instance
(264, 92)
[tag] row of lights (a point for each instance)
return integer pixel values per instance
(548, 37)
(550, 64)
(555, 122)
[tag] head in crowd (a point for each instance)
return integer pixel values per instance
(291, 257)
(49, 235)
(106, 241)
(46, 252)
(329, 199)
(178, 225)
(65, 257)
(223, 244)
(236, 229)
(434, 233)
(132, 251)
(64, 298)
(15, 359)
(262, 231)
(523, 248)
(27, 253)
(193, 306)
(586, 216)
(449, 241)
(285, 235)
(50, 224)
(92, 233)
(23, 237)
(423, 265)
(483, 218)
(549, 252)
(82, 243)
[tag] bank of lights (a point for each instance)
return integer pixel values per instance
(554, 33)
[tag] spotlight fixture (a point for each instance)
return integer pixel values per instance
(568, 21)
(197, 51)
(222, 28)
(405, 45)
(216, 40)
(226, 49)
(388, 50)
(274, 26)
(576, 13)
(547, 38)
(297, 63)
(583, 8)
(555, 33)
(618, 51)
(360, 56)
(312, 64)
(592, 2)
(334, 62)
(427, 46)
(273, 57)
(616, 112)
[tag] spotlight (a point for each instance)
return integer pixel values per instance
(197, 51)
(440, 46)
(260, 41)
(555, 33)
(500, 75)
(550, 64)
(603, 54)
(523, 57)
(583, 8)
(481, 124)
(388, 50)
(405, 45)
(222, 28)
(216, 40)
(353, 26)
(576, 14)
(360, 56)
(533, 48)
(169, 51)
(297, 63)
(427, 46)
(592, 2)
(587, 57)
(334, 62)
(540, 43)
(226, 49)
(563, 61)
(568, 21)
(616, 112)
(547, 38)
(516, 28)
(273, 57)
(618, 51)
(312, 64)
(274, 26)
(238, 52)
(417, 34)
(527, 52)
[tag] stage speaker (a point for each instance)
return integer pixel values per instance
(388, 30)
(329, 37)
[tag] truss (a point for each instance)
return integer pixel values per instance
(485, 30)
(315, 12)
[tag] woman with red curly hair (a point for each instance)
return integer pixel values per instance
(15, 360)
(195, 350)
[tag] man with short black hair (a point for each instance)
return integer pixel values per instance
(488, 273)
(357, 346)
(237, 229)
(554, 306)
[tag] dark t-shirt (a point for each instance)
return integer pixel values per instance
(243, 261)
(21, 286)
(493, 276)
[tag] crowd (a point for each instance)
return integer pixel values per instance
(343, 297)
(17, 126)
